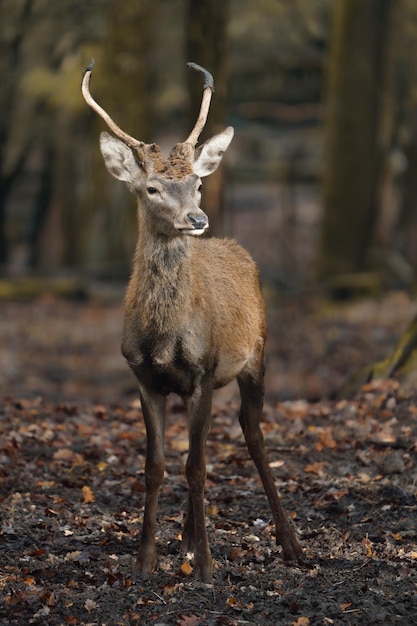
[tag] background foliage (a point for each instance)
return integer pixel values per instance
(280, 68)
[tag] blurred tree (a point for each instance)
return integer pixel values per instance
(276, 50)
(15, 18)
(407, 85)
(123, 84)
(47, 151)
(359, 130)
(408, 217)
(42, 44)
(207, 45)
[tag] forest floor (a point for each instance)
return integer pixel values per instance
(72, 445)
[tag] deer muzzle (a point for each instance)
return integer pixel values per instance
(196, 224)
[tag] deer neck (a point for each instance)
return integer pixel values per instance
(160, 279)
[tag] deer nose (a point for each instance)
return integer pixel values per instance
(198, 221)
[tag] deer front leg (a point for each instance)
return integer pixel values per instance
(153, 407)
(194, 532)
(251, 390)
(188, 531)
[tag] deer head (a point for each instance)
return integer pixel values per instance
(168, 190)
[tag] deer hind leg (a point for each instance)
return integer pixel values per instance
(194, 531)
(252, 391)
(153, 407)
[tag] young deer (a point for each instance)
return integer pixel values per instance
(194, 320)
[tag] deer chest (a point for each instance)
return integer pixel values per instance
(163, 364)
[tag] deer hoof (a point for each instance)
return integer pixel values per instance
(293, 553)
(145, 565)
(203, 573)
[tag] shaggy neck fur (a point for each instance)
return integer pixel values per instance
(160, 269)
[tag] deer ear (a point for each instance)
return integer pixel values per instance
(118, 158)
(207, 158)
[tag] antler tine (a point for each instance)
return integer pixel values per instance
(205, 103)
(85, 88)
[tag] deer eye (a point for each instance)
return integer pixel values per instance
(200, 187)
(151, 191)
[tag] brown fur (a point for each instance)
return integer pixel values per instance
(177, 166)
(195, 320)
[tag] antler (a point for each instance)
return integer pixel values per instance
(85, 88)
(205, 103)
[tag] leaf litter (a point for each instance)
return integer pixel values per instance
(72, 495)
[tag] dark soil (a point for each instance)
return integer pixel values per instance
(72, 446)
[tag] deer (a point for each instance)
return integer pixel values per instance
(195, 319)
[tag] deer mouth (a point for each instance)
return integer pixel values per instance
(194, 232)
(195, 225)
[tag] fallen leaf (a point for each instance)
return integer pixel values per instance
(170, 589)
(88, 495)
(368, 545)
(51, 601)
(212, 510)
(276, 464)
(64, 454)
(50, 512)
(72, 556)
(301, 621)
(186, 568)
(315, 468)
(236, 552)
(180, 443)
(363, 477)
(90, 605)
(325, 440)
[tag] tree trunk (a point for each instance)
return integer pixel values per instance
(11, 59)
(408, 220)
(125, 86)
(358, 130)
(206, 44)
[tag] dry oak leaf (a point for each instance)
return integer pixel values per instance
(212, 510)
(325, 440)
(90, 605)
(236, 552)
(368, 546)
(186, 568)
(301, 621)
(315, 468)
(88, 495)
(64, 454)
